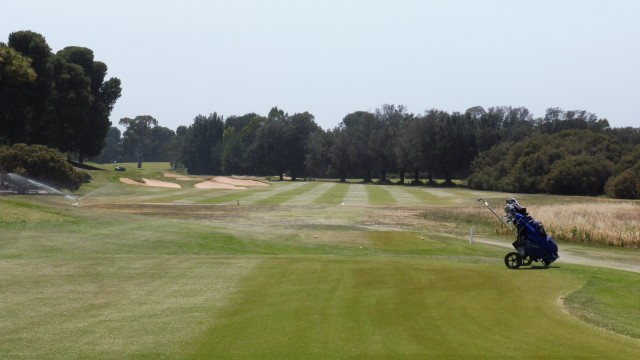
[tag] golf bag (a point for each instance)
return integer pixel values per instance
(532, 242)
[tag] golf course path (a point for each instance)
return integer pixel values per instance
(589, 258)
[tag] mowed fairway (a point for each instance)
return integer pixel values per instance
(290, 271)
(401, 308)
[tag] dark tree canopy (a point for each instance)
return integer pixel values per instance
(391, 142)
(65, 106)
(202, 145)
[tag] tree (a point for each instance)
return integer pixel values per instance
(239, 136)
(354, 141)
(318, 156)
(341, 159)
(579, 175)
(556, 120)
(569, 162)
(454, 146)
(67, 106)
(202, 147)
(68, 103)
(626, 185)
(299, 128)
(410, 148)
(14, 68)
(281, 142)
(385, 140)
(269, 148)
(15, 72)
(112, 151)
(161, 138)
(28, 100)
(88, 131)
(137, 136)
(175, 148)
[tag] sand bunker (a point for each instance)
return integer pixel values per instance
(216, 182)
(150, 182)
(238, 182)
(216, 185)
(184, 177)
(223, 182)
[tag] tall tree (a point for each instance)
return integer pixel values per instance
(137, 136)
(15, 72)
(239, 135)
(68, 105)
(410, 148)
(162, 137)
(202, 147)
(269, 148)
(299, 127)
(342, 162)
(455, 144)
(29, 100)
(385, 141)
(90, 130)
(355, 141)
(318, 156)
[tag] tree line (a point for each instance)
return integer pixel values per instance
(500, 148)
(62, 100)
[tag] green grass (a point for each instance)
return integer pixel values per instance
(379, 195)
(608, 295)
(400, 308)
(140, 273)
(335, 195)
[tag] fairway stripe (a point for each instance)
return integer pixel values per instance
(357, 195)
(310, 195)
(439, 193)
(403, 197)
(276, 188)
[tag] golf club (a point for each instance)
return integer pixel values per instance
(498, 216)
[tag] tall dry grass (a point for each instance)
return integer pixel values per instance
(604, 223)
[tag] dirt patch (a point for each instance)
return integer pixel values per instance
(150, 182)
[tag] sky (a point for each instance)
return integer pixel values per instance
(180, 59)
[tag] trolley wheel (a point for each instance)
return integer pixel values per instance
(513, 260)
(527, 260)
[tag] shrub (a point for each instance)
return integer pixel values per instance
(626, 185)
(579, 175)
(41, 164)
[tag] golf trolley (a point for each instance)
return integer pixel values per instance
(532, 242)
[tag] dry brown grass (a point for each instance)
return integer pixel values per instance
(605, 223)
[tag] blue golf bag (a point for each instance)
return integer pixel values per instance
(532, 242)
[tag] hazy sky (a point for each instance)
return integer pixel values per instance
(178, 59)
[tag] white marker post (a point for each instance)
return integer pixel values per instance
(471, 236)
